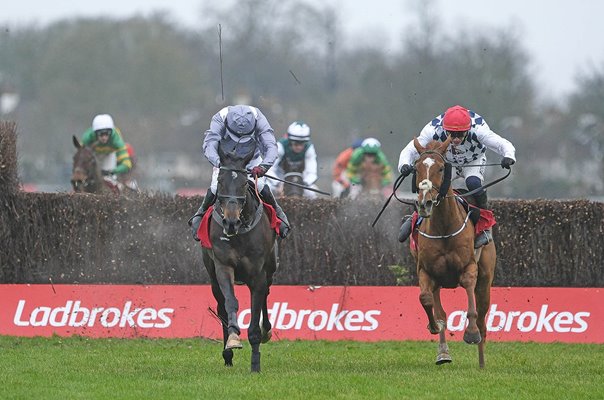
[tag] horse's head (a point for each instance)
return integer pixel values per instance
(291, 190)
(84, 175)
(432, 175)
(371, 174)
(232, 189)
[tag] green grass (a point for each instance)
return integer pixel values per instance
(81, 368)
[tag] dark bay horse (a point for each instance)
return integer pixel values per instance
(86, 173)
(292, 172)
(243, 250)
(291, 190)
(445, 252)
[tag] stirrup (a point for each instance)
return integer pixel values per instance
(484, 238)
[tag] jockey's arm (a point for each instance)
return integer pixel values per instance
(409, 154)
(386, 171)
(493, 141)
(339, 166)
(310, 166)
(266, 140)
(276, 169)
(352, 170)
(212, 137)
(89, 137)
(124, 164)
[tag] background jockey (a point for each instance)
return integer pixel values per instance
(240, 124)
(372, 148)
(295, 153)
(107, 142)
(471, 136)
(340, 184)
(128, 178)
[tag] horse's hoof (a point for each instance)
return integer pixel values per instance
(443, 358)
(434, 331)
(233, 342)
(266, 335)
(472, 338)
(228, 357)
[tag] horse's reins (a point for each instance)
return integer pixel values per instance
(401, 178)
(298, 185)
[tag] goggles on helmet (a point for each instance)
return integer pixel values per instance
(104, 132)
(457, 134)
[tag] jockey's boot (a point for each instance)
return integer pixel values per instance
(405, 229)
(485, 237)
(195, 220)
(267, 196)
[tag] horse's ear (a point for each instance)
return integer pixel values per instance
(420, 149)
(77, 143)
(443, 147)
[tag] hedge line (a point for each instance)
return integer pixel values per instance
(81, 238)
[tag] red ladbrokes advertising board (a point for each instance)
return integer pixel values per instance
(296, 312)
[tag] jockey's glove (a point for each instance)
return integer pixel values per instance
(506, 162)
(406, 169)
(259, 170)
(106, 172)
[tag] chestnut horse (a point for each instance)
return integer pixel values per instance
(445, 252)
(370, 187)
(243, 250)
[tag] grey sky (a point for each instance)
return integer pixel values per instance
(563, 37)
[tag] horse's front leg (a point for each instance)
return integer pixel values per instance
(225, 277)
(258, 291)
(426, 298)
(441, 320)
(266, 330)
(468, 282)
(227, 354)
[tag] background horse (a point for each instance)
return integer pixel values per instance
(445, 252)
(291, 190)
(293, 172)
(370, 187)
(243, 250)
(86, 174)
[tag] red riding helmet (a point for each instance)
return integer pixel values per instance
(457, 119)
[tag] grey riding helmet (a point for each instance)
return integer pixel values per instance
(240, 120)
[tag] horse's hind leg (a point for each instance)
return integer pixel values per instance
(486, 269)
(258, 292)
(468, 282)
(443, 355)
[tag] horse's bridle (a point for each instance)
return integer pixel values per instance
(90, 180)
(228, 198)
(443, 188)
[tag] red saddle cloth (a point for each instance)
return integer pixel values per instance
(203, 232)
(486, 221)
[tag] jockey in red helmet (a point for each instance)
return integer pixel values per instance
(470, 139)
